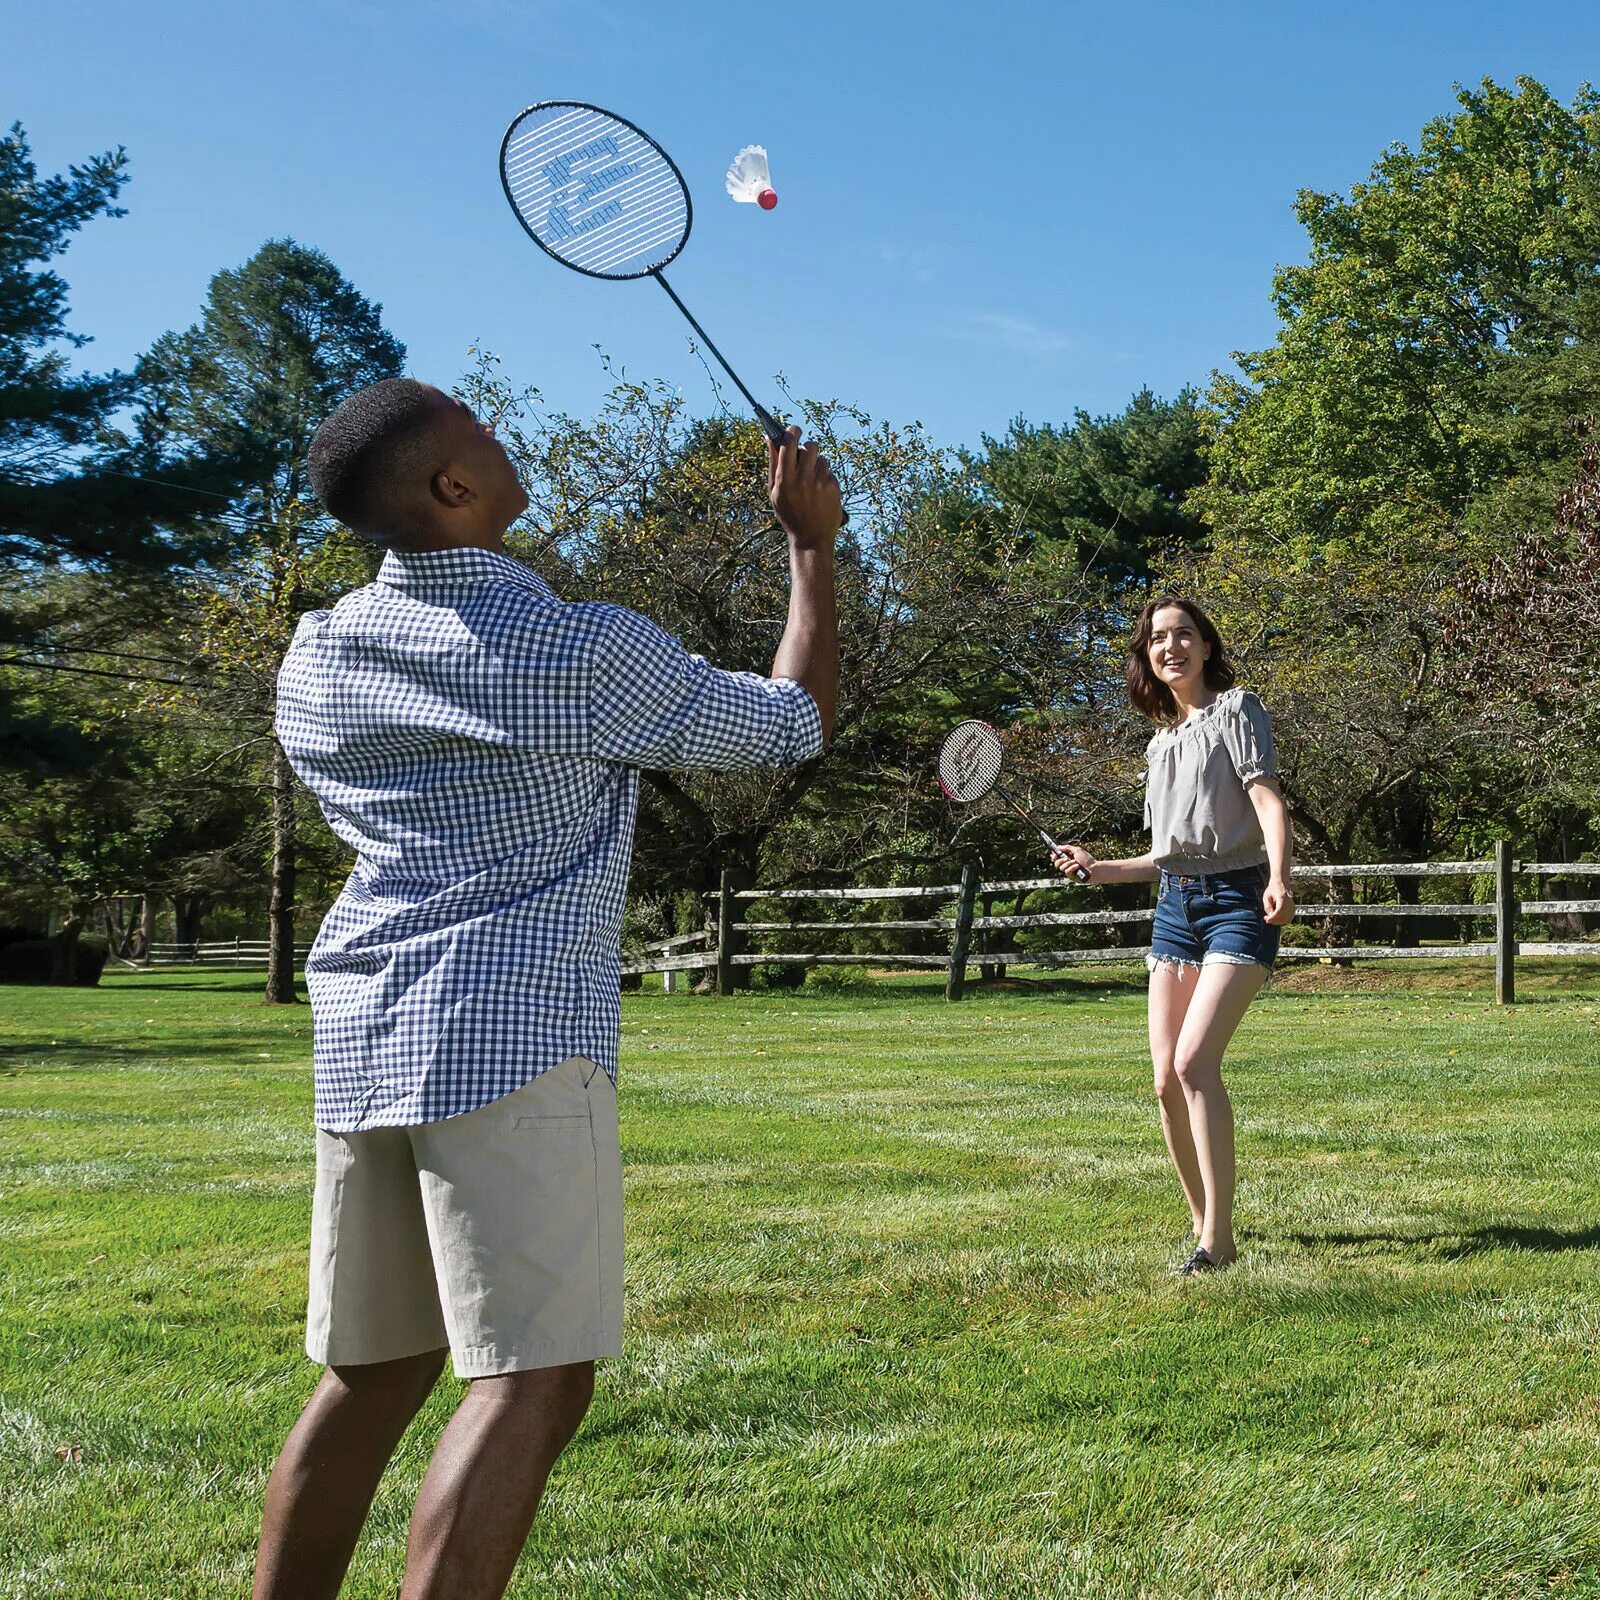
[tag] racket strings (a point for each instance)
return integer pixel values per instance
(970, 761)
(594, 191)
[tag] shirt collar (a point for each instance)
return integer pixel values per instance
(426, 571)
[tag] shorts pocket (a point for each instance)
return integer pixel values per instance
(557, 1100)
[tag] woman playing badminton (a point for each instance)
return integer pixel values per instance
(1222, 851)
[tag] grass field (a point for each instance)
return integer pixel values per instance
(899, 1320)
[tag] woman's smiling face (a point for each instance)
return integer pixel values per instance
(1177, 654)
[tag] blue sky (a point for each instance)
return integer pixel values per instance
(985, 210)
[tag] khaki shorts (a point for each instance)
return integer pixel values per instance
(498, 1232)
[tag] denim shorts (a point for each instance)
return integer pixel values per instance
(1213, 919)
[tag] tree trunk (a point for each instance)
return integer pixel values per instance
(988, 969)
(64, 951)
(147, 927)
(1338, 932)
(188, 917)
(737, 856)
(1572, 925)
(280, 912)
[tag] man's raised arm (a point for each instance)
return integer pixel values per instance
(805, 500)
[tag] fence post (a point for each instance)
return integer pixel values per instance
(986, 967)
(727, 934)
(961, 939)
(1505, 925)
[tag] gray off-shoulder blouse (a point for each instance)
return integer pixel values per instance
(1195, 801)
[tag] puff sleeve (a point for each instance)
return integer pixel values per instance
(1246, 731)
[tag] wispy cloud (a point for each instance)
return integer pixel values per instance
(916, 263)
(997, 331)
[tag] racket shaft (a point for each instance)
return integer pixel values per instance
(769, 423)
(1006, 795)
(1077, 873)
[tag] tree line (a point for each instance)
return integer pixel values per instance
(1393, 513)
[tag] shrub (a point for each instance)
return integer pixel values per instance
(33, 960)
(840, 980)
(777, 975)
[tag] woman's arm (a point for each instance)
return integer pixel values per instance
(1130, 869)
(1277, 902)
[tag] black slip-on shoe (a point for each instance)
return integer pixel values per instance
(1198, 1262)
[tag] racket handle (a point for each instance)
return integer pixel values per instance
(770, 425)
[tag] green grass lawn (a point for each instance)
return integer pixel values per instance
(899, 1321)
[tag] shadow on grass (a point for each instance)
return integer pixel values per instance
(215, 1050)
(1453, 1244)
(218, 983)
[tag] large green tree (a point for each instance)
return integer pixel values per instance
(1112, 490)
(282, 340)
(1431, 346)
(71, 493)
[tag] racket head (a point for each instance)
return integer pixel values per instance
(970, 760)
(594, 191)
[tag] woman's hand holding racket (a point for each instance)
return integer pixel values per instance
(1076, 862)
(804, 492)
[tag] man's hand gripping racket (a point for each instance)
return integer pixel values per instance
(970, 761)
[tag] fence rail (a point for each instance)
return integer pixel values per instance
(216, 952)
(729, 947)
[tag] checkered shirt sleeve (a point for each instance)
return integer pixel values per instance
(654, 704)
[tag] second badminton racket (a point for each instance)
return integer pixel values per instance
(970, 762)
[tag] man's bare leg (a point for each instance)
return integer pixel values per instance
(484, 1483)
(328, 1470)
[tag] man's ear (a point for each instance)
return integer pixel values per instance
(450, 491)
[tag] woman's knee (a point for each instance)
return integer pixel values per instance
(1195, 1070)
(1166, 1079)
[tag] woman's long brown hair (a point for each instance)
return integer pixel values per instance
(1148, 693)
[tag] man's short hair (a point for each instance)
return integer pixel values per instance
(364, 456)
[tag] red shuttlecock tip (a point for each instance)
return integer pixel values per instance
(767, 199)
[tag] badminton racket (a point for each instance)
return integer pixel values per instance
(602, 197)
(970, 762)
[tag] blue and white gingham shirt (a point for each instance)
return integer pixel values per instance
(477, 741)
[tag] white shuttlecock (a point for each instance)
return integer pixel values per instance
(748, 178)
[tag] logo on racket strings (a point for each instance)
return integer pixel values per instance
(580, 182)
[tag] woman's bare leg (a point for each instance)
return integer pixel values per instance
(1221, 997)
(1172, 987)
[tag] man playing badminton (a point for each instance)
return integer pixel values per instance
(477, 742)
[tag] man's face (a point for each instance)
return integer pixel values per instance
(480, 459)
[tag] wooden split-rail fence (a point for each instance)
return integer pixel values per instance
(216, 953)
(964, 935)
